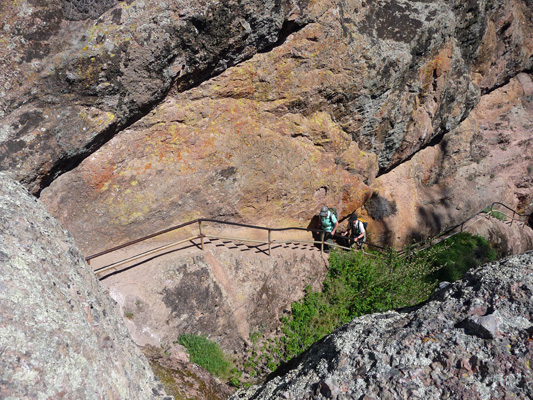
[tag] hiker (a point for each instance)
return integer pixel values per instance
(328, 222)
(356, 231)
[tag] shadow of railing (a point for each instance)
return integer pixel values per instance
(495, 210)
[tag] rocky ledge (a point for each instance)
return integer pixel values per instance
(473, 339)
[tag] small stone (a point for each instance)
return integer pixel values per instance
(485, 327)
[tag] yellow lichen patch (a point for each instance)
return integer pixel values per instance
(324, 132)
(96, 118)
(127, 209)
(438, 67)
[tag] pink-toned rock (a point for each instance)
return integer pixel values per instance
(71, 77)
(339, 94)
(226, 293)
(487, 158)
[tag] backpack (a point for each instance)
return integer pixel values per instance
(334, 212)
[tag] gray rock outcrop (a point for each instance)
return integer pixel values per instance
(472, 340)
(60, 334)
(73, 72)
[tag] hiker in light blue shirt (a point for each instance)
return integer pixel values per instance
(328, 222)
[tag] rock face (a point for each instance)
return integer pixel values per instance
(60, 334)
(73, 73)
(224, 293)
(327, 111)
(487, 158)
(473, 339)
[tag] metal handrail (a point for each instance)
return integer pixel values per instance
(415, 247)
(89, 258)
(447, 233)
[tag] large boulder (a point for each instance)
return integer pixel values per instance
(472, 340)
(61, 335)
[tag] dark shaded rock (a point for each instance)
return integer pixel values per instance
(486, 327)
(379, 207)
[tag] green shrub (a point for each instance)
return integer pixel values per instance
(207, 354)
(357, 284)
(499, 215)
(496, 214)
(463, 251)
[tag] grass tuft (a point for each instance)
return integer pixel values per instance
(207, 354)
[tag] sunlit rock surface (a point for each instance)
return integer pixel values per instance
(344, 98)
(61, 335)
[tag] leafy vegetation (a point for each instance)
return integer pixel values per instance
(264, 356)
(463, 251)
(499, 215)
(496, 214)
(208, 354)
(359, 284)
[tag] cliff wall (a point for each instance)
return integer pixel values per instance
(132, 116)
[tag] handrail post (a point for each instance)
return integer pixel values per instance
(322, 241)
(269, 242)
(201, 235)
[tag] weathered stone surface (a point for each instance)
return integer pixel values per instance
(487, 158)
(184, 380)
(193, 159)
(362, 88)
(226, 293)
(60, 334)
(430, 351)
(67, 86)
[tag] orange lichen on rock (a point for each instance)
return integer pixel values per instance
(100, 175)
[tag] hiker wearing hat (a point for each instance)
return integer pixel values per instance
(328, 222)
(356, 231)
